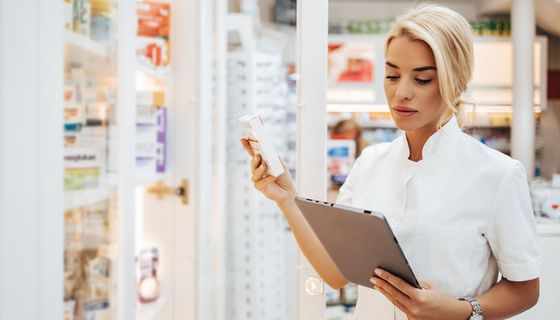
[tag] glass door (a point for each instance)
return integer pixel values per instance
(116, 93)
(266, 276)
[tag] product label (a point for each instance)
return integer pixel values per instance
(82, 168)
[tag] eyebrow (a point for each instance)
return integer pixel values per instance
(392, 65)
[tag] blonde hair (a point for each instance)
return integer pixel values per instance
(449, 35)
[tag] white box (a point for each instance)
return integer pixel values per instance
(254, 131)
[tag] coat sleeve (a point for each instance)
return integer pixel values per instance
(512, 230)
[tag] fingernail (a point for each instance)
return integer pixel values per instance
(373, 280)
(378, 272)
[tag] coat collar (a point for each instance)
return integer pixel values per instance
(436, 142)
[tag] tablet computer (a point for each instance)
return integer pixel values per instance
(358, 241)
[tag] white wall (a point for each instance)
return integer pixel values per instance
(31, 234)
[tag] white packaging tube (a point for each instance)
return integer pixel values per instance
(261, 143)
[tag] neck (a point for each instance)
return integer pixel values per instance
(416, 141)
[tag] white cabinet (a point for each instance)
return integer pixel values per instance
(547, 308)
(74, 206)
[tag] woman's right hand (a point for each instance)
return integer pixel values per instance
(278, 188)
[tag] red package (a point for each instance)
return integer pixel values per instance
(153, 19)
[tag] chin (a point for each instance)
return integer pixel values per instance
(406, 124)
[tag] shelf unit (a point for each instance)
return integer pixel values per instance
(547, 227)
(146, 178)
(150, 311)
(82, 45)
(259, 247)
(159, 75)
(125, 186)
(93, 209)
(94, 56)
(80, 198)
(389, 124)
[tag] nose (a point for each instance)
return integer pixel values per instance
(404, 90)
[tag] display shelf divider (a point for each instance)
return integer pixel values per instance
(86, 45)
(156, 74)
(356, 37)
(355, 107)
(547, 227)
(79, 198)
(151, 310)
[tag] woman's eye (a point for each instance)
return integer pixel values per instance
(392, 78)
(423, 81)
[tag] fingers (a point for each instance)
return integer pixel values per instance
(391, 290)
(397, 282)
(263, 183)
(425, 284)
(256, 162)
(260, 179)
(394, 301)
(259, 172)
(247, 147)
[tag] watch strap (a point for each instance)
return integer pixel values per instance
(476, 308)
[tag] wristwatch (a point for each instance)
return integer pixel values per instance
(476, 308)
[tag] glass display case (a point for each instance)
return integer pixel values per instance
(122, 199)
(90, 159)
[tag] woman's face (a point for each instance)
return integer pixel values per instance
(411, 85)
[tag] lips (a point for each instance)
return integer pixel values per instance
(403, 111)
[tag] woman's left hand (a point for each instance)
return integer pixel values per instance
(430, 302)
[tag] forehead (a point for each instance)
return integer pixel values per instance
(409, 54)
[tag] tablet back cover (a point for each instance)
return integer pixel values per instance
(357, 242)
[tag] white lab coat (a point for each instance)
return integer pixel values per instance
(461, 215)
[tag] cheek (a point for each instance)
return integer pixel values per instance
(389, 91)
(435, 95)
(430, 96)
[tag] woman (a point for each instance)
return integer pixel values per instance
(460, 210)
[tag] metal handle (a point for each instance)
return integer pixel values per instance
(159, 189)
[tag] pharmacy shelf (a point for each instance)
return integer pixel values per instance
(83, 44)
(79, 198)
(144, 177)
(389, 124)
(338, 312)
(159, 75)
(352, 85)
(373, 125)
(486, 126)
(547, 227)
(379, 125)
(356, 108)
(150, 311)
(91, 55)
